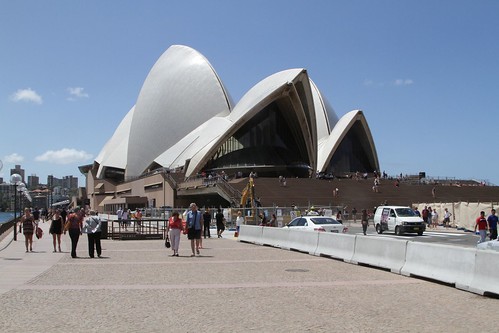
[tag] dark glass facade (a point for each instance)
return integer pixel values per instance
(353, 154)
(271, 144)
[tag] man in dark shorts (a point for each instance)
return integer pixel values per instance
(206, 222)
(194, 227)
(492, 221)
(36, 214)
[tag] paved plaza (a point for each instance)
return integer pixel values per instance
(231, 287)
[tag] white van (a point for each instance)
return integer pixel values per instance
(399, 219)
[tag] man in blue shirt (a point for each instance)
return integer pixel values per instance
(194, 227)
(492, 221)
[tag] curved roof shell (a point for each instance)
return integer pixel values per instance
(329, 146)
(324, 113)
(181, 92)
(114, 153)
(184, 115)
(200, 144)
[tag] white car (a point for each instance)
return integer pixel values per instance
(317, 223)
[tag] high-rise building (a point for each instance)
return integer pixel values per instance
(19, 171)
(33, 182)
(70, 182)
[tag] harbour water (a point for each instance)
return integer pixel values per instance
(5, 217)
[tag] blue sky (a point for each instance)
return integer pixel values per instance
(424, 72)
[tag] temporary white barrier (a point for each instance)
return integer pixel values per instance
(301, 240)
(339, 246)
(485, 279)
(275, 237)
(380, 252)
(250, 234)
(449, 264)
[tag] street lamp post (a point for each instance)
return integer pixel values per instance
(15, 179)
(21, 189)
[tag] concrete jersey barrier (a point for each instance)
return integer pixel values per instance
(486, 277)
(449, 264)
(250, 234)
(380, 252)
(340, 246)
(276, 237)
(303, 241)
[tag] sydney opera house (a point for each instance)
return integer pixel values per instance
(185, 124)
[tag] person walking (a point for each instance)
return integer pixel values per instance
(93, 230)
(239, 222)
(174, 230)
(206, 223)
(36, 214)
(365, 221)
(64, 214)
(447, 216)
(338, 216)
(425, 214)
(194, 228)
(138, 219)
(119, 216)
(74, 226)
(29, 225)
(125, 216)
(354, 214)
(56, 229)
(492, 221)
(219, 217)
(434, 218)
(481, 224)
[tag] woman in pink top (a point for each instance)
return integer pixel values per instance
(174, 229)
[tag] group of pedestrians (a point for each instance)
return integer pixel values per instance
(487, 224)
(194, 228)
(197, 227)
(430, 216)
(75, 224)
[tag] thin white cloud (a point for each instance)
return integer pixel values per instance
(27, 95)
(397, 82)
(14, 158)
(372, 83)
(403, 82)
(76, 93)
(368, 82)
(64, 156)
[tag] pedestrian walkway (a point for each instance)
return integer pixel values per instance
(230, 287)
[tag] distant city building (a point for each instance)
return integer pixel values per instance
(43, 195)
(33, 182)
(19, 171)
(66, 182)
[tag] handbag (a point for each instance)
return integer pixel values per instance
(39, 233)
(167, 242)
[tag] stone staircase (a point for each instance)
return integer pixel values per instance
(359, 194)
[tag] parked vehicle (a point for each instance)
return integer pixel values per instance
(399, 219)
(317, 223)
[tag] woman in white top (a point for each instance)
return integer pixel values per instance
(434, 218)
(239, 222)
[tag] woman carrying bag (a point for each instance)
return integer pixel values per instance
(174, 230)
